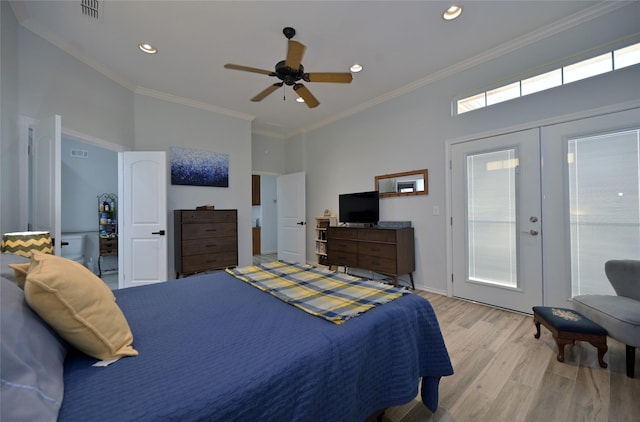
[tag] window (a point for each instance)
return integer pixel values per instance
(587, 68)
(503, 93)
(491, 217)
(626, 56)
(604, 63)
(604, 207)
(542, 82)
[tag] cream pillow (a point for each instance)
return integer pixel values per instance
(20, 273)
(78, 306)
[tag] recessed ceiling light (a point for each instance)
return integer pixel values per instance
(147, 48)
(300, 100)
(452, 13)
(356, 68)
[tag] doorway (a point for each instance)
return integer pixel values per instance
(527, 208)
(88, 171)
(86, 167)
(497, 250)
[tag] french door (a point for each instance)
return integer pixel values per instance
(496, 220)
(537, 213)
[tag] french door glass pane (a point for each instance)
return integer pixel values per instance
(604, 206)
(491, 217)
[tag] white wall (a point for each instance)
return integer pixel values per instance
(410, 132)
(160, 125)
(268, 154)
(9, 103)
(54, 82)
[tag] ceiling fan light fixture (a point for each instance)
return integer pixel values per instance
(355, 68)
(147, 48)
(300, 100)
(452, 12)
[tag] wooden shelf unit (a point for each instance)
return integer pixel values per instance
(322, 225)
(387, 251)
(107, 231)
(205, 240)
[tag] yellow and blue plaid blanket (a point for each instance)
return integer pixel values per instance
(330, 295)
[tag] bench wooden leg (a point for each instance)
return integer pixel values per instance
(537, 323)
(561, 342)
(602, 349)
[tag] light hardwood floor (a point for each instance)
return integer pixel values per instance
(502, 373)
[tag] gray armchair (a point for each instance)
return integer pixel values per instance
(619, 315)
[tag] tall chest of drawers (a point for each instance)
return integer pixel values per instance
(386, 251)
(205, 240)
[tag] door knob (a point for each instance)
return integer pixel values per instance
(161, 232)
(300, 223)
(533, 232)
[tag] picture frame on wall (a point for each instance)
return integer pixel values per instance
(199, 168)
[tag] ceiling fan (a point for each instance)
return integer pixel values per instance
(291, 71)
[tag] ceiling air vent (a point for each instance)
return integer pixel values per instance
(79, 153)
(92, 8)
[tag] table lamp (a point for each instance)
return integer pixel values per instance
(23, 243)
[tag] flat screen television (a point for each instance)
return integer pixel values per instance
(359, 207)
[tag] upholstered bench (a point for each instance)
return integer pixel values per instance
(567, 326)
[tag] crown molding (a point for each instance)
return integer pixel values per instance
(557, 27)
(192, 103)
(270, 134)
(564, 24)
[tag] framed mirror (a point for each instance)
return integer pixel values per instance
(409, 183)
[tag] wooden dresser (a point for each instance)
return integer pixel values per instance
(205, 240)
(388, 251)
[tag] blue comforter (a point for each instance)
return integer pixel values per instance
(213, 348)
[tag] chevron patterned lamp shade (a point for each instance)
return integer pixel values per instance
(22, 243)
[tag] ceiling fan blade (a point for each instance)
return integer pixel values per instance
(249, 69)
(266, 92)
(342, 78)
(294, 54)
(306, 95)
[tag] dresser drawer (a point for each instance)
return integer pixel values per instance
(208, 216)
(199, 263)
(208, 230)
(342, 233)
(340, 245)
(377, 249)
(208, 246)
(342, 258)
(378, 264)
(377, 235)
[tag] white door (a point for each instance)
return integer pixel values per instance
(45, 163)
(291, 197)
(142, 214)
(496, 221)
(591, 185)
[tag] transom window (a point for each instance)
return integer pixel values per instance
(588, 68)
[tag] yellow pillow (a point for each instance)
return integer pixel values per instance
(78, 306)
(20, 272)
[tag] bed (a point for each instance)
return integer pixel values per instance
(214, 347)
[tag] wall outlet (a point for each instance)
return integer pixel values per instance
(436, 210)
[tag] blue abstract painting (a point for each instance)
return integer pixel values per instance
(199, 168)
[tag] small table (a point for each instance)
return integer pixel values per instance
(567, 326)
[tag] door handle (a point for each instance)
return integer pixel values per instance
(533, 232)
(300, 223)
(161, 232)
